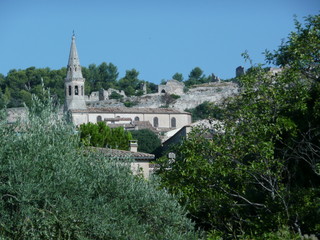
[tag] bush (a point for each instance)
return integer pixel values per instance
(174, 96)
(130, 104)
(115, 95)
(53, 189)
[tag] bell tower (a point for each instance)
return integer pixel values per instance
(74, 82)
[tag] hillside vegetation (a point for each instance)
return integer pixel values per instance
(17, 87)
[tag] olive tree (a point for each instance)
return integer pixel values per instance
(54, 188)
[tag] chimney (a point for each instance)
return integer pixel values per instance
(133, 145)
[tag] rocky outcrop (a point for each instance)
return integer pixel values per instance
(211, 92)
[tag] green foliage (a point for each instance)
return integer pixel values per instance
(103, 76)
(260, 171)
(301, 50)
(100, 135)
(151, 87)
(148, 141)
(167, 99)
(174, 96)
(115, 95)
(196, 76)
(130, 82)
(18, 86)
(53, 189)
(178, 77)
(130, 103)
(206, 110)
(139, 93)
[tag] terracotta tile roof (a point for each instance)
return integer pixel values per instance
(130, 110)
(125, 154)
(144, 125)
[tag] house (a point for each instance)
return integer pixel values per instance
(141, 161)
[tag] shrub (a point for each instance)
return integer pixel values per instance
(129, 103)
(115, 95)
(174, 96)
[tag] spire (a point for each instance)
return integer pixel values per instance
(74, 68)
(74, 82)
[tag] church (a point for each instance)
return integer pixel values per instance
(76, 104)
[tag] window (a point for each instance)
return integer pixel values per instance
(137, 119)
(70, 90)
(173, 122)
(81, 90)
(155, 122)
(76, 90)
(99, 119)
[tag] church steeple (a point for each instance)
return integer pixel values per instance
(74, 82)
(74, 68)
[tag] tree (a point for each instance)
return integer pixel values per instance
(130, 82)
(108, 74)
(178, 77)
(196, 76)
(260, 171)
(205, 110)
(115, 95)
(148, 141)
(100, 135)
(53, 189)
(196, 73)
(151, 87)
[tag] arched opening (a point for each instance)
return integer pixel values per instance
(70, 90)
(81, 90)
(76, 90)
(163, 91)
(173, 122)
(99, 119)
(155, 122)
(137, 119)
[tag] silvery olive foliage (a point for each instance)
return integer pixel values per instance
(52, 187)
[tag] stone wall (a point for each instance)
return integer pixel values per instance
(171, 87)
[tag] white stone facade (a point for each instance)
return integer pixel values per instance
(160, 118)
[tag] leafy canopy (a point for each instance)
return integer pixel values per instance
(148, 141)
(101, 135)
(260, 172)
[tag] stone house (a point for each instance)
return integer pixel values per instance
(141, 161)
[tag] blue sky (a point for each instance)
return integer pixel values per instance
(156, 37)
